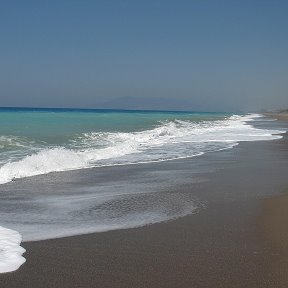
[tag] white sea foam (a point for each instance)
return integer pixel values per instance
(169, 140)
(106, 207)
(10, 250)
(11, 141)
(48, 160)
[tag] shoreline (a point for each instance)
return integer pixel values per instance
(283, 116)
(223, 245)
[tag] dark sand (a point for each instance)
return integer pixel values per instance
(273, 221)
(232, 242)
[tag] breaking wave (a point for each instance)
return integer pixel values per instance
(169, 140)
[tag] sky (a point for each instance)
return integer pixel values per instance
(176, 55)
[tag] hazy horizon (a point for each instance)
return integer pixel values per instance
(152, 55)
(137, 105)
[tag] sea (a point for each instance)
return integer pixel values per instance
(46, 155)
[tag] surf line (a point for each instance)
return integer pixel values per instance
(10, 250)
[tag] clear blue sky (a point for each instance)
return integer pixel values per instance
(207, 55)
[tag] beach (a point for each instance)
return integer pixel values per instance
(278, 115)
(234, 239)
(144, 144)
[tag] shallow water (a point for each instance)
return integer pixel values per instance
(34, 142)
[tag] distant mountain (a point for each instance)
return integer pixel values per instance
(148, 103)
(158, 103)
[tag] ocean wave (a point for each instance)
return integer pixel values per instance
(169, 140)
(12, 142)
(11, 251)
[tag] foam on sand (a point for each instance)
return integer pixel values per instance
(10, 250)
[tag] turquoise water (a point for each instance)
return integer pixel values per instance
(40, 141)
(57, 126)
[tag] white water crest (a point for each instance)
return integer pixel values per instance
(169, 140)
(10, 250)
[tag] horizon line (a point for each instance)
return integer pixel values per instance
(116, 109)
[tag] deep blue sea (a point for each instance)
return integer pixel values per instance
(40, 141)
